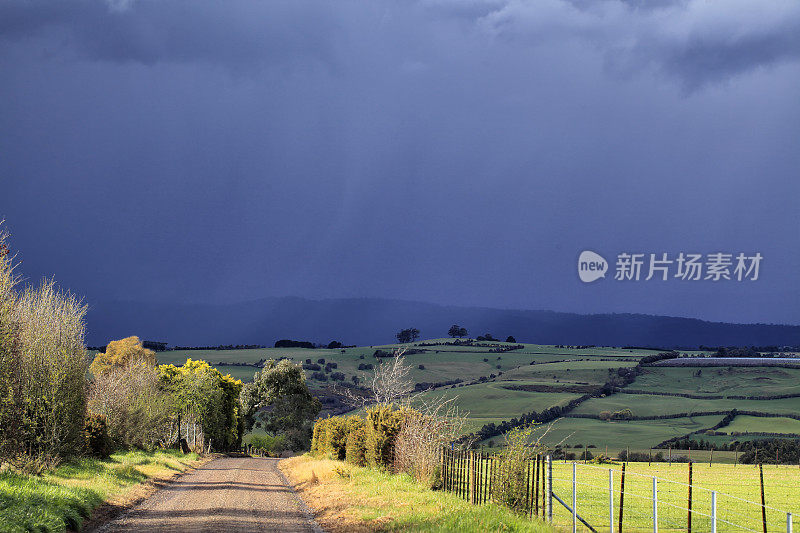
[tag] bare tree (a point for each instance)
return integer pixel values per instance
(391, 380)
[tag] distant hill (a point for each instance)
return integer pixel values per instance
(369, 321)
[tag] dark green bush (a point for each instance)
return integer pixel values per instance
(355, 447)
(335, 444)
(382, 425)
(318, 435)
(95, 430)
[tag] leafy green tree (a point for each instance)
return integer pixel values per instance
(279, 398)
(204, 392)
(405, 336)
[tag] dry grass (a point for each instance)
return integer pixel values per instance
(347, 498)
(321, 489)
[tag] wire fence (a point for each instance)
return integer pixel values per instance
(613, 498)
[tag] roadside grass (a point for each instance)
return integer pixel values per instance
(65, 497)
(347, 498)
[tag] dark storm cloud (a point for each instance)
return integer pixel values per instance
(452, 151)
(232, 33)
(693, 40)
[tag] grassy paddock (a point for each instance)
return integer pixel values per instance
(638, 435)
(736, 486)
(348, 498)
(64, 498)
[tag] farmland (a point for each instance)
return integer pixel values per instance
(495, 383)
(738, 495)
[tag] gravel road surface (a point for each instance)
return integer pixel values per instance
(229, 494)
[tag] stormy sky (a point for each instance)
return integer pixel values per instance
(450, 151)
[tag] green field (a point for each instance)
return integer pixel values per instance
(758, 424)
(650, 405)
(442, 363)
(490, 402)
(738, 495)
(638, 435)
(552, 375)
(724, 381)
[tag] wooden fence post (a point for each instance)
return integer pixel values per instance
(536, 488)
(550, 489)
(474, 476)
(527, 486)
(490, 484)
(763, 501)
(621, 496)
(689, 516)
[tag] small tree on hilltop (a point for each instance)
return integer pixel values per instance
(457, 331)
(404, 336)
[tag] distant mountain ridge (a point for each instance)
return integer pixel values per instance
(370, 321)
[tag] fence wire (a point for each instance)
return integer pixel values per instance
(647, 503)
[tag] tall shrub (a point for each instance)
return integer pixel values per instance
(382, 425)
(426, 428)
(318, 436)
(336, 437)
(10, 370)
(138, 411)
(355, 445)
(509, 475)
(53, 366)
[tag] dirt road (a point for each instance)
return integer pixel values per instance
(229, 495)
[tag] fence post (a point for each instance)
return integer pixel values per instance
(478, 478)
(459, 478)
(528, 505)
(549, 489)
(610, 500)
(763, 501)
(655, 504)
(473, 478)
(543, 485)
(574, 498)
(487, 489)
(536, 488)
(621, 496)
(713, 511)
(788, 522)
(689, 517)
